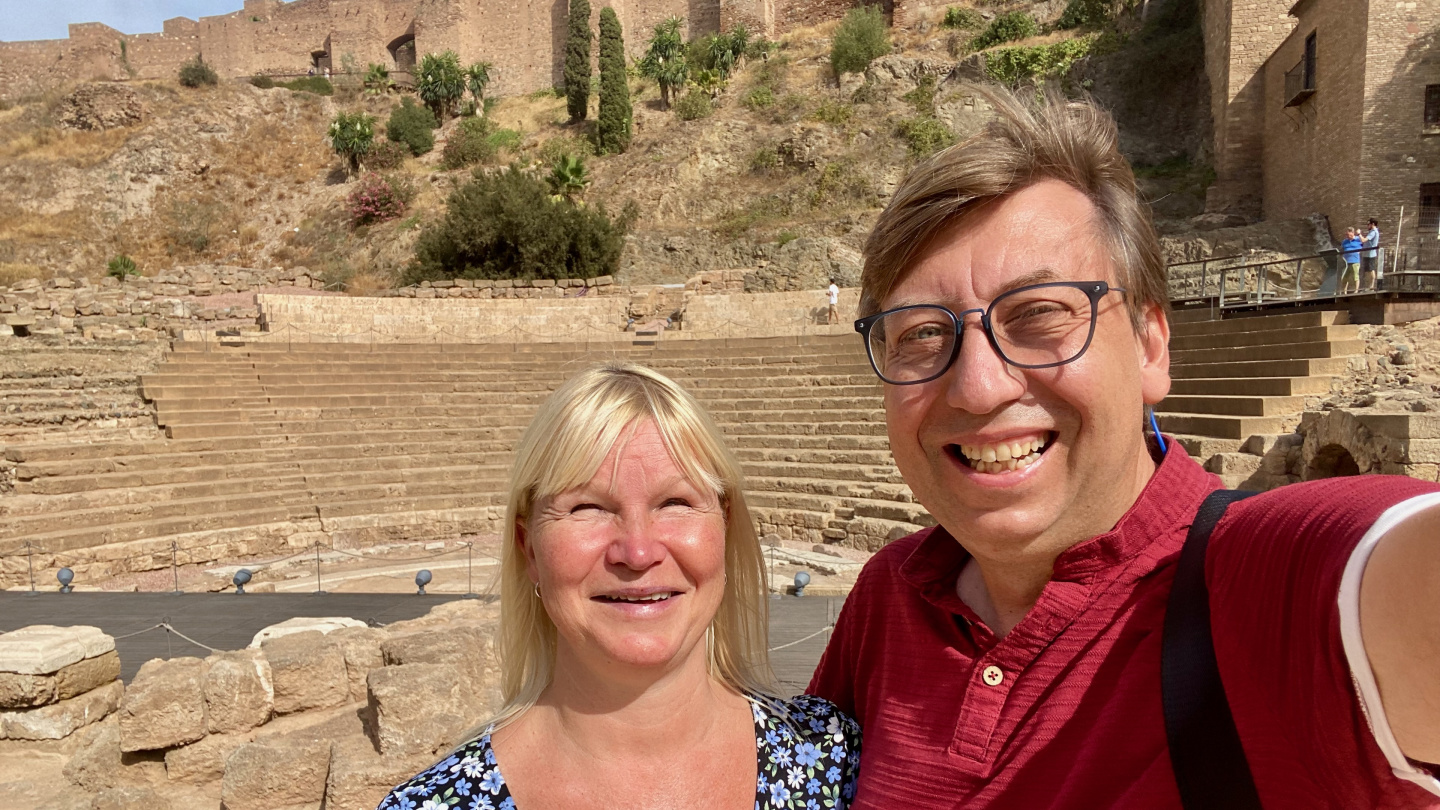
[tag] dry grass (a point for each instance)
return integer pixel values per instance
(23, 226)
(368, 282)
(11, 273)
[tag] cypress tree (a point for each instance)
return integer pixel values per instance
(615, 114)
(577, 61)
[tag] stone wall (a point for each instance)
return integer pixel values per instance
(1312, 154)
(333, 716)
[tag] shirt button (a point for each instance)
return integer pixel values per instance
(992, 675)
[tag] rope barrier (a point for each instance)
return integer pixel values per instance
(824, 629)
(169, 629)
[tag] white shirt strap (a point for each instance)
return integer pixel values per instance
(1355, 645)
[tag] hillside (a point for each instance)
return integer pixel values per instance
(786, 174)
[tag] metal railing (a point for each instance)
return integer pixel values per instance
(1299, 82)
(1294, 279)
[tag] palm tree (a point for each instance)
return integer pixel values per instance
(568, 178)
(664, 60)
(377, 80)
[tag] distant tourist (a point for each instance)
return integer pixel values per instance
(834, 314)
(1370, 264)
(633, 626)
(1351, 247)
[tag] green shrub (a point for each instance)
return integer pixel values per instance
(319, 85)
(867, 93)
(477, 140)
(577, 61)
(195, 73)
(860, 39)
(1015, 66)
(122, 266)
(789, 108)
(964, 18)
(412, 125)
(772, 74)
(386, 155)
(841, 182)
(759, 98)
(833, 112)
(352, 134)
(1006, 28)
(765, 160)
(925, 135)
(262, 82)
(1083, 14)
(922, 98)
(506, 226)
(693, 105)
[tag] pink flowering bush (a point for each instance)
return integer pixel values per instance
(377, 199)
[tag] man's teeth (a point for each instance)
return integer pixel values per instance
(1004, 456)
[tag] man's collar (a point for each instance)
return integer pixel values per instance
(1168, 500)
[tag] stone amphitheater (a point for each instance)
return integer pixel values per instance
(351, 422)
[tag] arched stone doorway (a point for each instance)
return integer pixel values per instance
(1332, 461)
(402, 52)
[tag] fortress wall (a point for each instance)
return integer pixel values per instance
(159, 56)
(29, 68)
(330, 318)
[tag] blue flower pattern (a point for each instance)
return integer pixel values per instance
(808, 756)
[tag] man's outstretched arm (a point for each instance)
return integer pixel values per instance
(1400, 626)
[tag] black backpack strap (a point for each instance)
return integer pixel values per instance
(1205, 752)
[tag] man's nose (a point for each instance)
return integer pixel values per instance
(980, 380)
(635, 544)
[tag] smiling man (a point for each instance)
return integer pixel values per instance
(1013, 303)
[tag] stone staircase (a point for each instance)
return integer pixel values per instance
(268, 448)
(1240, 383)
(54, 390)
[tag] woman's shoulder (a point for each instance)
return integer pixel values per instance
(809, 750)
(469, 772)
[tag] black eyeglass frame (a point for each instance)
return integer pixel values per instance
(1094, 290)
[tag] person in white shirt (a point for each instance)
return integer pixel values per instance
(834, 315)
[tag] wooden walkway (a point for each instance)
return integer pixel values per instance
(226, 621)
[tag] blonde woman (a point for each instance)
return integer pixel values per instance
(633, 623)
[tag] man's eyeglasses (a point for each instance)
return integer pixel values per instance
(1039, 326)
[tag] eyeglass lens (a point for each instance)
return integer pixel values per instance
(1032, 326)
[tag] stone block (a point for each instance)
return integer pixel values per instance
(96, 762)
(239, 693)
(84, 675)
(308, 672)
(302, 624)
(164, 706)
(420, 709)
(130, 797)
(277, 771)
(43, 649)
(361, 648)
(202, 761)
(26, 691)
(59, 720)
(360, 777)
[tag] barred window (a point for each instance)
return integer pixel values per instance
(1432, 107)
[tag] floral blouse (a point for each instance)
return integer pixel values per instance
(808, 756)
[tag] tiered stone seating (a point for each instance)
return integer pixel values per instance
(1245, 377)
(90, 391)
(269, 448)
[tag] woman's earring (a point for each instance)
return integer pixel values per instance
(537, 590)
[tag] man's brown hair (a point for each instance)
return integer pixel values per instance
(1032, 138)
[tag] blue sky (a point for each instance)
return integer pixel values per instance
(46, 19)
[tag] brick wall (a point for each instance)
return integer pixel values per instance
(1312, 151)
(1402, 56)
(1248, 37)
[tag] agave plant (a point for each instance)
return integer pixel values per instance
(477, 77)
(568, 178)
(377, 80)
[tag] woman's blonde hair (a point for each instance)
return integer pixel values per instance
(563, 447)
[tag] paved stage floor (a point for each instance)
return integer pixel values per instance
(228, 621)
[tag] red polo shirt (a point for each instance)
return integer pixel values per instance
(1065, 711)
